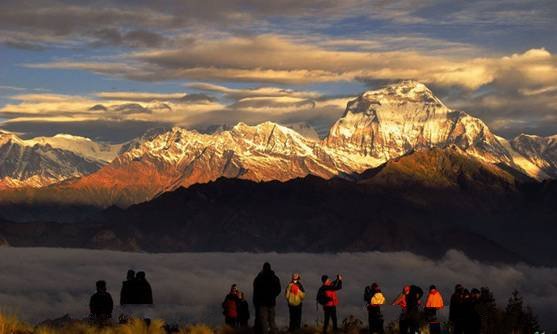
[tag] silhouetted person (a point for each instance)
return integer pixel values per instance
(127, 293)
(295, 296)
(456, 310)
(434, 302)
(412, 315)
(472, 319)
(400, 301)
(266, 288)
(243, 311)
(144, 294)
(101, 305)
(374, 299)
(230, 307)
(327, 297)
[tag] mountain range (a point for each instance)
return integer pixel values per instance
(398, 171)
(376, 127)
(426, 202)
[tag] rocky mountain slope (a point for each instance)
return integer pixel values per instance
(28, 163)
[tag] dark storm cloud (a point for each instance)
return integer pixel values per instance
(190, 287)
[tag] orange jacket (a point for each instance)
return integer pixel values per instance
(434, 300)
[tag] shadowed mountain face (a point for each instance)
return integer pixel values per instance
(426, 202)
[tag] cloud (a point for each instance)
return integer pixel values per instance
(139, 96)
(197, 110)
(281, 59)
(236, 93)
(190, 287)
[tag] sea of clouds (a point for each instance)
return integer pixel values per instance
(41, 283)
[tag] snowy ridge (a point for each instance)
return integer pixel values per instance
(38, 163)
(376, 127)
(85, 147)
(404, 117)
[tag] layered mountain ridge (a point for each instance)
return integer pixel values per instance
(377, 127)
(425, 202)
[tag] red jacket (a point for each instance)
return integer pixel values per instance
(330, 290)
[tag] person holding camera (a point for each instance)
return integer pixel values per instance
(327, 297)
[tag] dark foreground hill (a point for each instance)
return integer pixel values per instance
(426, 202)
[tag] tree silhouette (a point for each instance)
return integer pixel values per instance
(517, 319)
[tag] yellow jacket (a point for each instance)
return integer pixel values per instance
(377, 299)
(294, 295)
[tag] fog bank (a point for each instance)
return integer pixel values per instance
(42, 283)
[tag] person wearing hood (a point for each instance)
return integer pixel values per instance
(294, 296)
(434, 302)
(374, 299)
(327, 297)
(230, 307)
(266, 288)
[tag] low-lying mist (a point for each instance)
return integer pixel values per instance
(42, 283)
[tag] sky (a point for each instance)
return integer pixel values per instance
(190, 287)
(110, 70)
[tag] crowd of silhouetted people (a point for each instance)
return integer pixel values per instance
(136, 297)
(464, 313)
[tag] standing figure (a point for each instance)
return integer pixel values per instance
(266, 288)
(230, 307)
(413, 301)
(101, 305)
(127, 293)
(327, 297)
(294, 296)
(434, 302)
(144, 294)
(243, 311)
(400, 301)
(456, 310)
(473, 321)
(374, 299)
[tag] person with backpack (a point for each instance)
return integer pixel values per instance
(374, 299)
(434, 302)
(294, 296)
(400, 301)
(101, 305)
(266, 288)
(327, 297)
(230, 307)
(243, 311)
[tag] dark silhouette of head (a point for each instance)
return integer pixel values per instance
(324, 278)
(374, 286)
(266, 267)
(432, 287)
(101, 286)
(458, 288)
(130, 275)
(140, 275)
